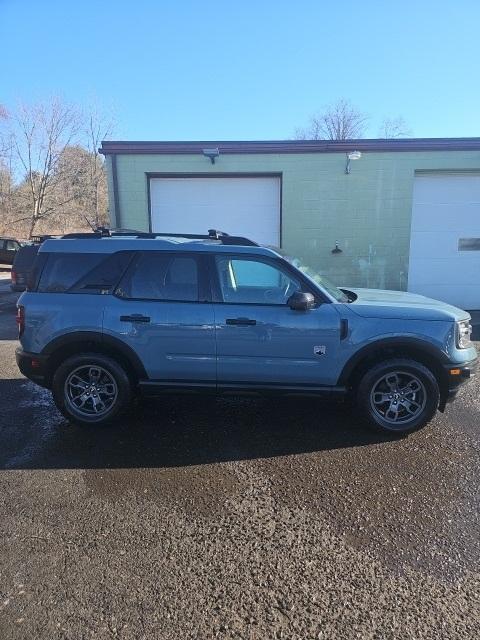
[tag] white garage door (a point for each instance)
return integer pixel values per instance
(245, 206)
(445, 239)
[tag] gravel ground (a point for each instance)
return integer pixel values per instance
(203, 518)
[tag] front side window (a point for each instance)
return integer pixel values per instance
(253, 281)
(161, 276)
(11, 245)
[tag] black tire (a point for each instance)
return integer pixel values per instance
(113, 380)
(398, 408)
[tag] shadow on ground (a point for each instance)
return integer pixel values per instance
(169, 432)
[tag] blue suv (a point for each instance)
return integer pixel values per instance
(108, 315)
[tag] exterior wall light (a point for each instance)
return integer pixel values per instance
(337, 248)
(211, 153)
(353, 155)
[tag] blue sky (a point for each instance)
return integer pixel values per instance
(246, 69)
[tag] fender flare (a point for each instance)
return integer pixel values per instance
(102, 340)
(416, 344)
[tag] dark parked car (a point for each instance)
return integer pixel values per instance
(22, 266)
(8, 250)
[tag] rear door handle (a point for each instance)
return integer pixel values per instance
(136, 317)
(241, 321)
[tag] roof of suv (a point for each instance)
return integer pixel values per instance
(127, 241)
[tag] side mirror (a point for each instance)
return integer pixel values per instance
(301, 301)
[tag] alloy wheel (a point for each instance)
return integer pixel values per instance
(398, 398)
(91, 390)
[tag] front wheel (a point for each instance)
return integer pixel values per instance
(91, 389)
(398, 396)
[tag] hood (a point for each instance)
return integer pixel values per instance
(378, 303)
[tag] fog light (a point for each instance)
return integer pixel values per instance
(455, 372)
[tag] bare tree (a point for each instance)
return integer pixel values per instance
(98, 127)
(4, 137)
(40, 135)
(339, 121)
(394, 128)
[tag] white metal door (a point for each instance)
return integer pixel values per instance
(245, 206)
(445, 238)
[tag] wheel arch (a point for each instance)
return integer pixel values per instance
(419, 350)
(70, 344)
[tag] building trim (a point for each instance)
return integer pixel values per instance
(116, 199)
(290, 146)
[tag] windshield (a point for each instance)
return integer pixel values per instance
(324, 282)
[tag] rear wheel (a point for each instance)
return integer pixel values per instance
(91, 389)
(398, 396)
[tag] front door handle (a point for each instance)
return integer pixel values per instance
(241, 321)
(136, 317)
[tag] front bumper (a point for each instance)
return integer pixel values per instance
(33, 366)
(457, 375)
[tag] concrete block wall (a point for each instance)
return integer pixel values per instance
(367, 212)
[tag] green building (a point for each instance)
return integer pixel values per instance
(395, 214)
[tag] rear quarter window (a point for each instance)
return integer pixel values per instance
(82, 272)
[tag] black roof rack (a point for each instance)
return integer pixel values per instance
(213, 234)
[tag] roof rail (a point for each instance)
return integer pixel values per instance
(213, 234)
(41, 238)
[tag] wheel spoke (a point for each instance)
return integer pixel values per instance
(380, 397)
(411, 407)
(393, 381)
(107, 390)
(392, 411)
(94, 374)
(412, 387)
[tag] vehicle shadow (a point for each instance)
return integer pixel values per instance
(170, 432)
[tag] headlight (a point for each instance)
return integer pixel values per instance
(464, 334)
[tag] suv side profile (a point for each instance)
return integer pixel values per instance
(108, 315)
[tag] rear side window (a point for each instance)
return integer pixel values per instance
(25, 257)
(161, 276)
(82, 272)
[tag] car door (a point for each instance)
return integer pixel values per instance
(11, 248)
(161, 309)
(3, 252)
(260, 340)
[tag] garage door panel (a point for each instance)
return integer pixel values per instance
(441, 189)
(430, 216)
(248, 206)
(445, 209)
(440, 271)
(434, 244)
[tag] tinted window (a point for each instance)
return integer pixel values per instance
(249, 281)
(104, 277)
(63, 270)
(161, 276)
(25, 256)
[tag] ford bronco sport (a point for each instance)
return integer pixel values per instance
(108, 315)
